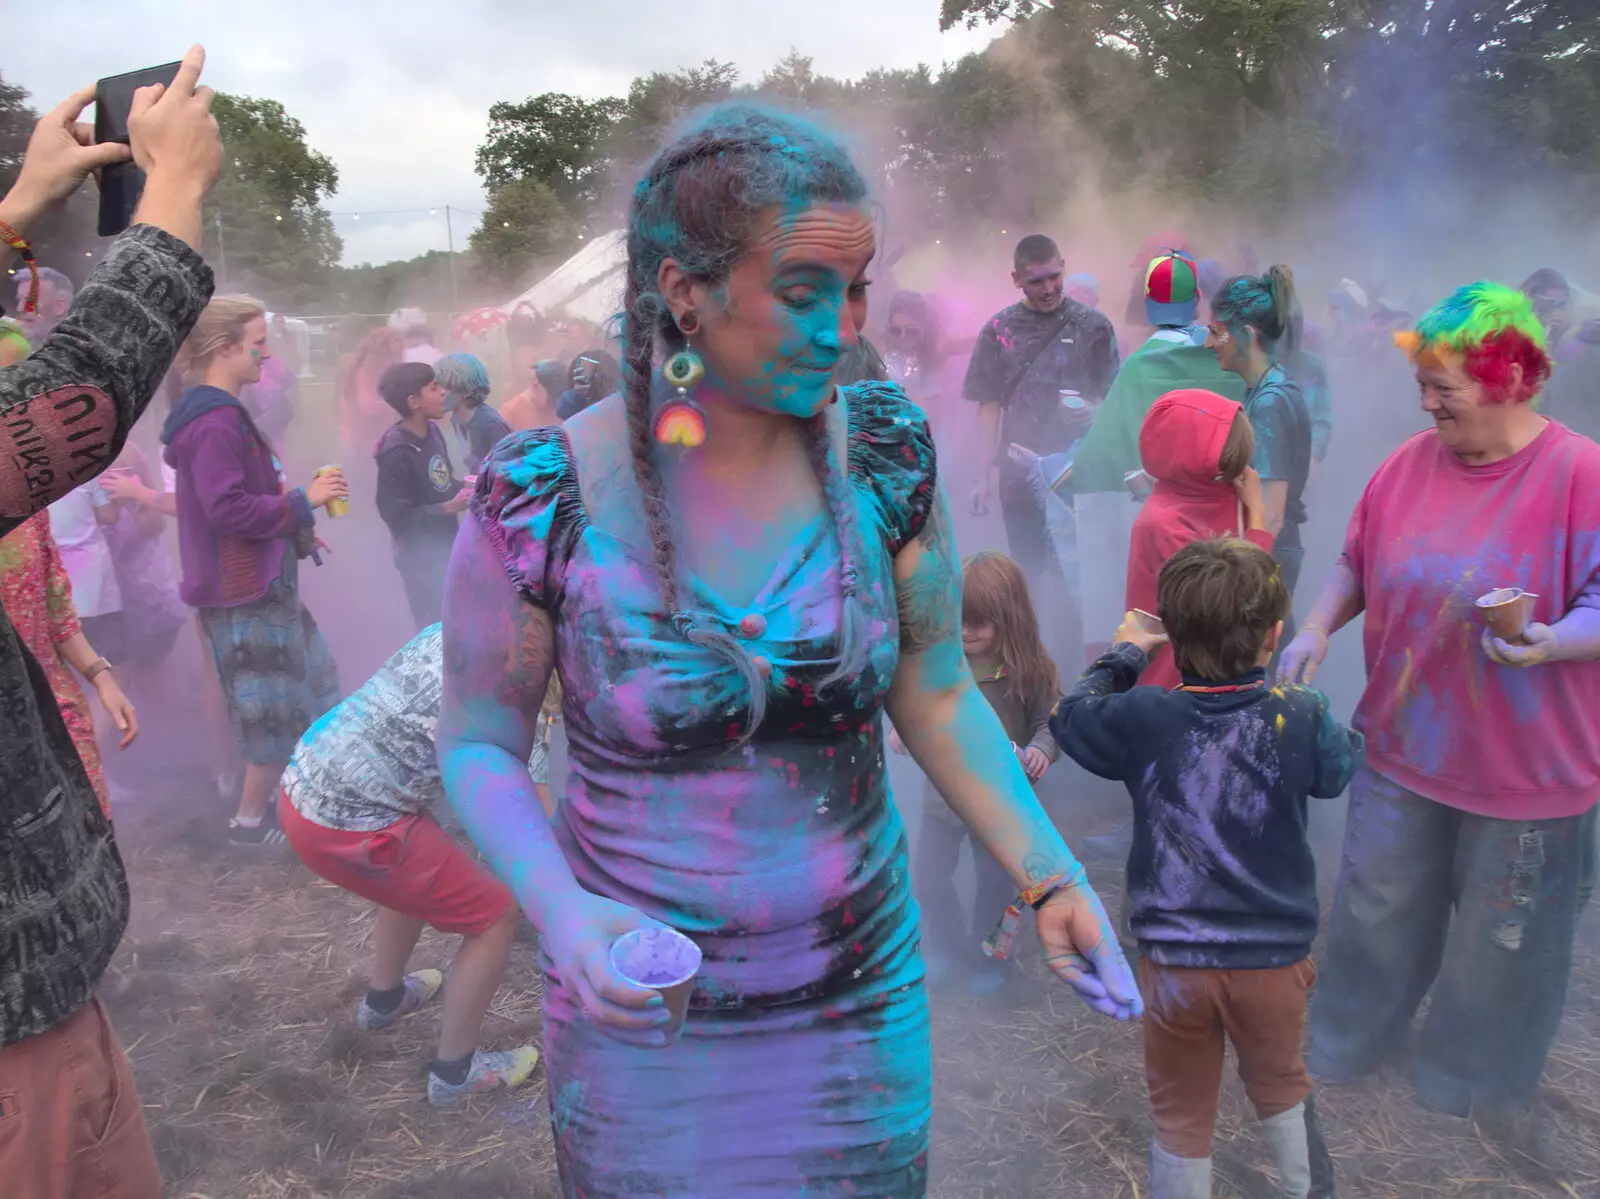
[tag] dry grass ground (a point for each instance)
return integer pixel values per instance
(235, 988)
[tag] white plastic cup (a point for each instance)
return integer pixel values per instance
(1151, 622)
(664, 960)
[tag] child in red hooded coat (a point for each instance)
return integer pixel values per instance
(1197, 446)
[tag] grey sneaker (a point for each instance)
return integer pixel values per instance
(501, 1068)
(421, 986)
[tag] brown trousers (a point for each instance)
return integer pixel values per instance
(71, 1124)
(1188, 1015)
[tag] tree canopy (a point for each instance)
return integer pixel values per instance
(266, 214)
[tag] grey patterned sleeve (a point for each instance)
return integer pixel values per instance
(66, 410)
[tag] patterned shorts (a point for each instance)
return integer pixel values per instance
(275, 670)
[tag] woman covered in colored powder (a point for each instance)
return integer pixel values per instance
(37, 598)
(730, 623)
(1254, 333)
(1469, 825)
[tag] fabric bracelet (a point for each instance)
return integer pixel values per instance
(17, 242)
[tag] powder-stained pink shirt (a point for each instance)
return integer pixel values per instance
(1429, 536)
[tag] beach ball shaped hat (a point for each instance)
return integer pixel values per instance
(1171, 290)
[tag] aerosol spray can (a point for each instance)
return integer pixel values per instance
(335, 507)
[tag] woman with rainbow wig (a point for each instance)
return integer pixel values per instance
(1471, 827)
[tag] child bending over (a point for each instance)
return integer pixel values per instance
(356, 808)
(1000, 632)
(1221, 879)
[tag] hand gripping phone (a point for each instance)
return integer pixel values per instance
(121, 183)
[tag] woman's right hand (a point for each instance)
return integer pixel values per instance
(979, 500)
(577, 937)
(1302, 656)
(171, 130)
(1251, 496)
(895, 744)
(329, 485)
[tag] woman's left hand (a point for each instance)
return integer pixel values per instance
(1034, 762)
(1081, 946)
(118, 706)
(1541, 645)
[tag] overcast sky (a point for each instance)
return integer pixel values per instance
(398, 92)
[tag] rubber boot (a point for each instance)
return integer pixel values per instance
(1286, 1135)
(1173, 1177)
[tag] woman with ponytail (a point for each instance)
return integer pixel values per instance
(1253, 329)
(735, 567)
(241, 534)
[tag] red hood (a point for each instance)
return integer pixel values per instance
(1181, 444)
(1181, 440)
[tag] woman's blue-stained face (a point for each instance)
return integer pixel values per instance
(794, 305)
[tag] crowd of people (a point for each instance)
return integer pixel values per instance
(718, 555)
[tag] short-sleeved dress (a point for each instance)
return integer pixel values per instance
(805, 1066)
(37, 596)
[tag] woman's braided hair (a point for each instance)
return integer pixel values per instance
(701, 203)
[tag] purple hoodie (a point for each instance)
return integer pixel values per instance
(234, 518)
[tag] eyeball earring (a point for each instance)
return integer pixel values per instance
(680, 421)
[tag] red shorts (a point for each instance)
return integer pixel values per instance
(412, 867)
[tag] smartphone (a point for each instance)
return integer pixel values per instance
(121, 184)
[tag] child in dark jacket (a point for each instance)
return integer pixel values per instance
(1220, 877)
(419, 495)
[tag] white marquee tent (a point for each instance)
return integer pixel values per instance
(587, 286)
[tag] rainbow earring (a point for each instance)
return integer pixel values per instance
(680, 421)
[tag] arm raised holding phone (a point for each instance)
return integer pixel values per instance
(80, 392)
(64, 414)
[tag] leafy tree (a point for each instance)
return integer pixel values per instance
(524, 227)
(422, 282)
(265, 216)
(556, 139)
(656, 103)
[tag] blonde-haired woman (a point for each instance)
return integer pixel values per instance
(241, 535)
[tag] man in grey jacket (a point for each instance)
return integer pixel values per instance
(71, 1125)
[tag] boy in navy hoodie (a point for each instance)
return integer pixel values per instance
(1220, 877)
(419, 495)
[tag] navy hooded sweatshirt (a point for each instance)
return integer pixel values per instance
(1220, 874)
(415, 481)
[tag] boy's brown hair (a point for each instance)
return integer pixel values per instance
(1219, 600)
(1239, 449)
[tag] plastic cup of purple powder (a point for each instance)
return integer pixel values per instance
(664, 960)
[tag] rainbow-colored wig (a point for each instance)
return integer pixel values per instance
(1492, 328)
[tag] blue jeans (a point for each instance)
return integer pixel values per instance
(1479, 911)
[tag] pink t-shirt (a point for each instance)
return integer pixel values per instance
(1429, 536)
